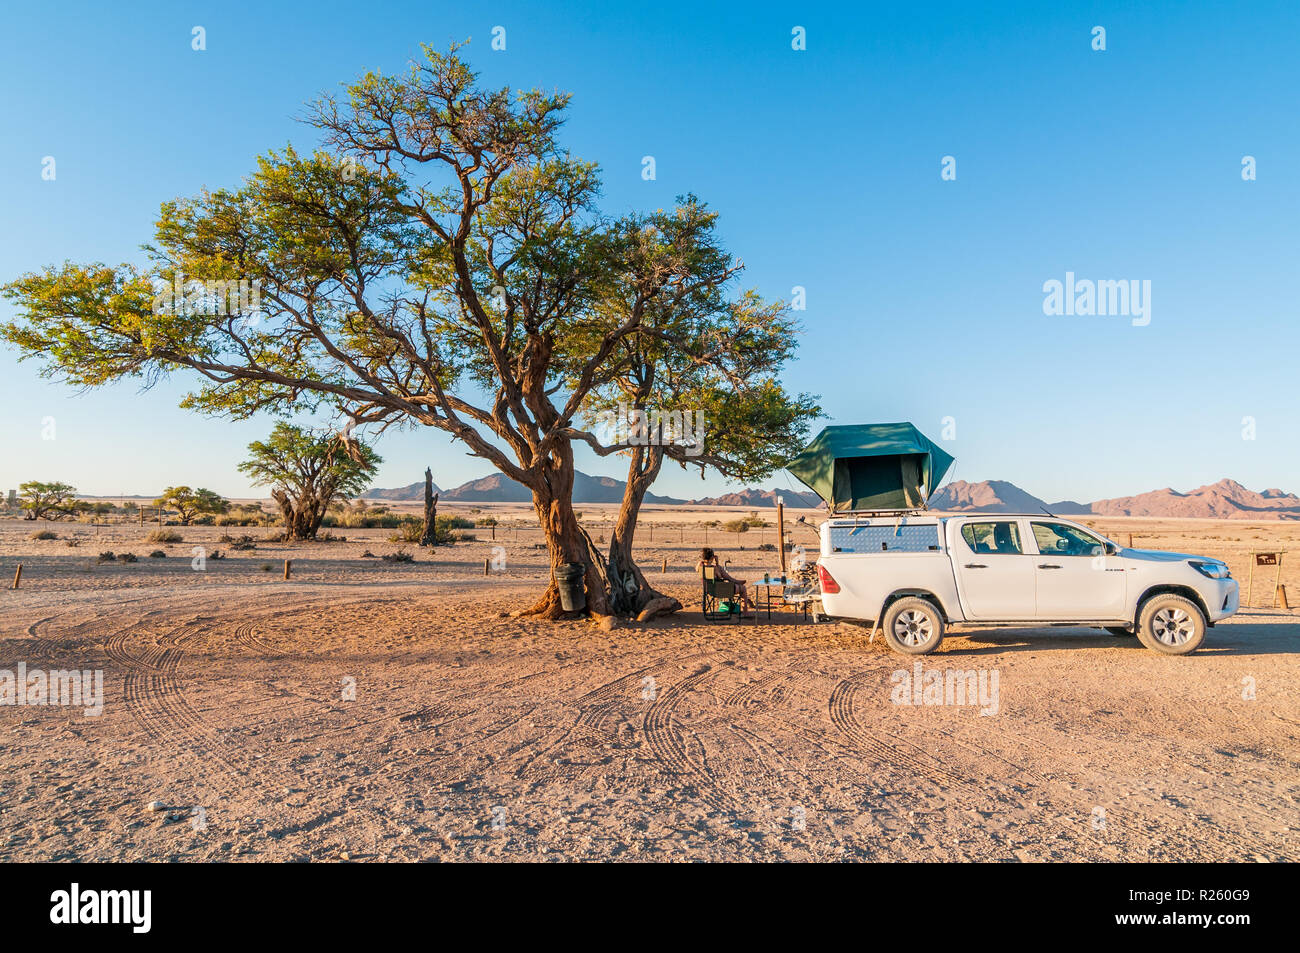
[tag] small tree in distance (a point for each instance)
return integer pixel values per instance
(306, 471)
(48, 501)
(190, 504)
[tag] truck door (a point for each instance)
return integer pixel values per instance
(1075, 579)
(994, 570)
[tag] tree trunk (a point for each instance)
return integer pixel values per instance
(429, 534)
(630, 591)
(566, 540)
(302, 518)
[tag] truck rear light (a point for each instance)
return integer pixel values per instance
(829, 585)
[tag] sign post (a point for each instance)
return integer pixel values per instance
(780, 530)
(1264, 559)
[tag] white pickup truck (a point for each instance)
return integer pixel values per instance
(915, 575)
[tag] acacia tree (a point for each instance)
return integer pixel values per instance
(189, 503)
(699, 357)
(443, 265)
(306, 471)
(48, 501)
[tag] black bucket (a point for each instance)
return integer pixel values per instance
(573, 593)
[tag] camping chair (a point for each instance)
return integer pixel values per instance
(715, 591)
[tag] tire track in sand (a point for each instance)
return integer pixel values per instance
(843, 715)
(665, 739)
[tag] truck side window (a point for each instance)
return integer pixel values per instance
(998, 539)
(1058, 539)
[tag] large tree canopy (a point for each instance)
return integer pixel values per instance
(440, 261)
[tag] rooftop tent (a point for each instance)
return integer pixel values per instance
(871, 467)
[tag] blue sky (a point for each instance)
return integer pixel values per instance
(924, 296)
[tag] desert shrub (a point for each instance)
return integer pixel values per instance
(753, 519)
(157, 554)
(401, 556)
(487, 521)
(266, 567)
(126, 558)
(736, 526)
(163, 536)
(767, 547)
(107, 556)
(216, 554)
(73, 543)
(408, 532)
(243, 544)
(359, 517)
(410, 529)
(368, 555)
(43, 534)
(330, 538)
(444, 525)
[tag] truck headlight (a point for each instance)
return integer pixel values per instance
(1213, 570)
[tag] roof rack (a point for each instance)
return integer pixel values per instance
(918, 511)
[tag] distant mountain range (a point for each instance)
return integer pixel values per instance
(412, 491)
(1226, 499)
(498, 488)
(756, 498)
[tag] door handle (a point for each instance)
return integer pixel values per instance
(1048, 566)
(975, 566)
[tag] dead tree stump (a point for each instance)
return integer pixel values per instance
(429, 534)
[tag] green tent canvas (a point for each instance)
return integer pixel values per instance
(865, 467)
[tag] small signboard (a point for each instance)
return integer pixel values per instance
(1265, 559)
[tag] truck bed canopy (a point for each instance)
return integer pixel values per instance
(864, 467)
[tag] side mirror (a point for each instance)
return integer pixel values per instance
(1112, 549)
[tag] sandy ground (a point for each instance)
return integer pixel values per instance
(474, 736)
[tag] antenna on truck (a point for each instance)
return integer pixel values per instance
(1047, 511)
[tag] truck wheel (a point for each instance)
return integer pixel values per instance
(913, 626)
(1171, 625)
(1119, 630)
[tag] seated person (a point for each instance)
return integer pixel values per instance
(709, 558)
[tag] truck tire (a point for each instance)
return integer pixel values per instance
(1171, 625)
(913, 626)
(1120, 630)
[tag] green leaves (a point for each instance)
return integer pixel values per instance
(698, 347)
(48, 500)
(189, 503)
(304, 462)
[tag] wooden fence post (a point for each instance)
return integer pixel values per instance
(288, 568)
(18, 576)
